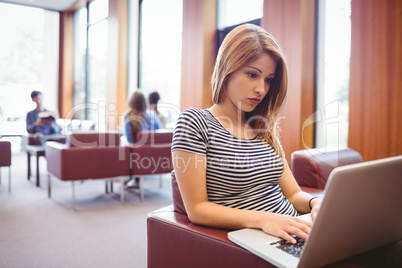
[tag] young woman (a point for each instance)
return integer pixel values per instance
(228, 160)
(137, 118)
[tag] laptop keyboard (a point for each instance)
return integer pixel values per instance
(293, 249)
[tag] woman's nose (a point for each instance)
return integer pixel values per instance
(260, 88)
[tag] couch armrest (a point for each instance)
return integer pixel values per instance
(5, 154)
(173, 241)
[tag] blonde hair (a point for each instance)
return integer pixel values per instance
(135, 114)
(243, 44)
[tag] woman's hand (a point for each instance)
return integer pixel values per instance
(285, 226)
(315, 207)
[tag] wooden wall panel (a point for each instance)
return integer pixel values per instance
(198, 53)
(116, 90)
(292, 23)
(308, 72)
(66, 64)
(375, 98)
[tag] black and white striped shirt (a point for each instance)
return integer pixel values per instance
(241, 173)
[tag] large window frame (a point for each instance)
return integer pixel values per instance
(332, 74)
(159, 54)
(29, 61)
(89, 70)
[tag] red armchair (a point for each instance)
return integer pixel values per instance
(87, 156)
(5, 160)
(311, 168)
(150, 155)
(174, 241)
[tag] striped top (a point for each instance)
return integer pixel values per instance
(241, 173)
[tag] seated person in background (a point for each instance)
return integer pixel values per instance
(137, 118)
(229, 163)
(42, 123)
(153, 99)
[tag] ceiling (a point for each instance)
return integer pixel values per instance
(55, 5)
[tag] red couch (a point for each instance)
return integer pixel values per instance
(96, 155)
(87, 156)
(174, 241)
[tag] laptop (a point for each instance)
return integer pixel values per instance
(361, 210)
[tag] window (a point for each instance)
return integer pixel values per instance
(28, 61)
(233, 12)
(332, 106)
(90, 62)
(160, 48)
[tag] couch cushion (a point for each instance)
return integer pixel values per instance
(93, 139)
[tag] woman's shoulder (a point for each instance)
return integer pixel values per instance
(193, 114)
(193, 111)
(191, 128)
(193, 118)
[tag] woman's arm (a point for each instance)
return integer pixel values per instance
(299, 199)
(190, 170)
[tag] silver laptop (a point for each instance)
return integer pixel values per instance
(361, 210)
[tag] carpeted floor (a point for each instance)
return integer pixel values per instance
(39, 232)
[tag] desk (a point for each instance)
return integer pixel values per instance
(38, 151)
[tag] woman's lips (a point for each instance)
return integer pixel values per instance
(254, 101)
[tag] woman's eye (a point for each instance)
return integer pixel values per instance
(252, 75)
(268, 80)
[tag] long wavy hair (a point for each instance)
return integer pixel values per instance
(135, 113)
(243, 44)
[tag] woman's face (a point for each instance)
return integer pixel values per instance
(247, 87)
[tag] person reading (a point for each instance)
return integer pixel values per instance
(42, 123)
(228, 159)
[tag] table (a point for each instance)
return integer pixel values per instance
(37, 151)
